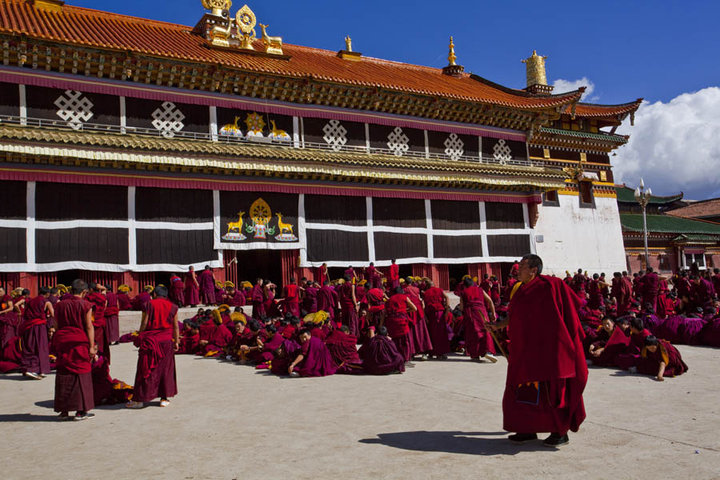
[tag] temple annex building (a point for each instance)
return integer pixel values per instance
(131, 148)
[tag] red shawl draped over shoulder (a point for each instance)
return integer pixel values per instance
(72, 348)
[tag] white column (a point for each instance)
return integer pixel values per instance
(302, 133)
(302, 235)
(427, 144)
(367, 137)
(132, 232)
(483, 229)
(296, 132)
(429, 226)
(480, 149)
(23, 104)
(213, 124)
(370, 233)
(123, 116)
(30, 232)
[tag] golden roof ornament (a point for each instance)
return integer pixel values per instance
(535, 74)
(347, 53)
(348, 44)
(273, 45)
(451, 56)
(246, 21)
(218, 7)
(453, 69)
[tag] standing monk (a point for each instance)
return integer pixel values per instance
(291, 304)
(322, 274)
(258, 300)
(435, 304)
(177, 290)
(546, 372)
(393, 275)
(348, 305)
(192, 288)
(97, 299)
(207, 286)
(112, 322)
(158, 340)
(475, 303)
(34, 334)
(74, 345)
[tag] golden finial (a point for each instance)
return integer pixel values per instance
(348, 44)
(217, 6)
(451, 56)
(535, 66)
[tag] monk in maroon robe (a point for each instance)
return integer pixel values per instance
(475, 304)
(123, 297)
(661, 359)
(8, 318)
(605, 351)
(206, 280)
(310, 299)
(291, 302)
(234, 297)
(327, 301)
(343, 349)
(99, 302)
(397, 322)
(393, 276)
(380, 356)
(74, 346)
(112, 320)
(258, 300)
(650, 288)
(314, 359)
(34, 333)
(192, 288)
(177, 291)
(142, 299)
(595, 295)
(436, 303)
(348, 305)
(157, 342)
(547, 371)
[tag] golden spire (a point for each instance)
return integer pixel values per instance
(535, 69)
(348, 44)
(451, 56)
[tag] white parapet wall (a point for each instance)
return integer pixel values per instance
(569, 237)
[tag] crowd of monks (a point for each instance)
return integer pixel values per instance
(364, 323)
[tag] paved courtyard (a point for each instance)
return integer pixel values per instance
(438, 420)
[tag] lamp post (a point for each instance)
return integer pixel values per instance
(643, 195)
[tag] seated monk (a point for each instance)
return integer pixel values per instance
(630, 359)
(612, 342)
(218, 337)
(380, 356)
(314, 358)
(190, 340)
(342, 346)
(282, 357)
(661, 358)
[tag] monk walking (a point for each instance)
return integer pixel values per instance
(34, 333)
(192, 288)
(157, 342)
(74, 345)
(546, 372)
(207, 286)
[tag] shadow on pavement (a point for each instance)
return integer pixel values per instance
(469, 443)
(27, 417)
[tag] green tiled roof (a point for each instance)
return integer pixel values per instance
(633, 222)
(608, 137)
(627, 195)
(695, 238)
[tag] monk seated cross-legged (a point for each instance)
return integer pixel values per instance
(314, 359)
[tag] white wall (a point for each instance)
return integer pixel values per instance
(574, 237)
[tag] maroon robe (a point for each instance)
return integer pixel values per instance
(343, 350)
(291, 303)
(616, 345)
(112, 321)
(327, 301)
(665, 352)
(348, 308)
(124, 302)
(192, 291)
(317, 361)
(380, 356)
(478, 341)
(397, 323)
(258, 302)
(207, 287)
(34, 334)
(177, 291)
(73, 380)
(99, 302)
(9, 322)
(547, 371)
(437, 326)
(155, 375)
(310, 300)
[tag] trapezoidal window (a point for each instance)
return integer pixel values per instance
(550, 199)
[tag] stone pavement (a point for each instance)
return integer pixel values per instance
(439, 420)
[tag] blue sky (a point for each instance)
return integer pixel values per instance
(658, 50)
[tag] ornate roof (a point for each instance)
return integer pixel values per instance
(102, 30)
(627, 195)
(591, 110)
(633, 222)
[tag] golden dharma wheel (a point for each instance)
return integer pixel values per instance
(217, 4)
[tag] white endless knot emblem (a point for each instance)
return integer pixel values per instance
(398, 142)
(74, 108)
(335, 135)
(454, 147)
(502, 152)
(168, 119)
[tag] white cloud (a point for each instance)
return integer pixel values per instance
(562, 86)
(674, 146)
